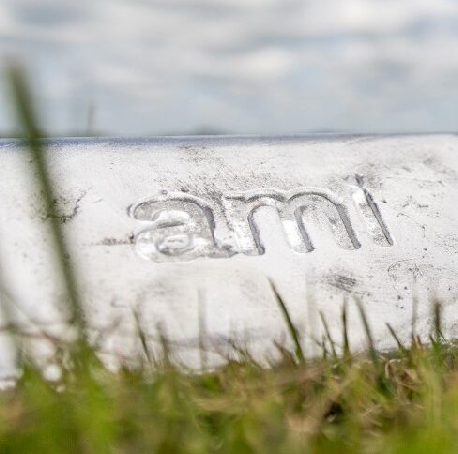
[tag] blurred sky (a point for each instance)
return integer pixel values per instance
(236, 66)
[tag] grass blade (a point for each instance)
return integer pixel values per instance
(294, 335)
(344, 317)
(24, 106)
(328, 335)
(401, 347)
(370, 340)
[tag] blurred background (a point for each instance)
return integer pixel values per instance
(147, 67)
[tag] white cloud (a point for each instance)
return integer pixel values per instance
(240, 65)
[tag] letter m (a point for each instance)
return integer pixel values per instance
(305, 214)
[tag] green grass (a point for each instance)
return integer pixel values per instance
(405, 402)
(399, 402)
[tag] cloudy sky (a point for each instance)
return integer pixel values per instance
(147, 67)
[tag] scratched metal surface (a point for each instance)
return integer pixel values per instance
(188, 232)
